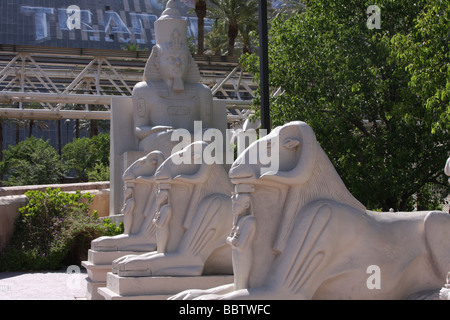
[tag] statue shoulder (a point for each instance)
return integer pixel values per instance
(204, 93)
(144, 88)
(200, 89)
(204, 90)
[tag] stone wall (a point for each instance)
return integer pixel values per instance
(12, 198)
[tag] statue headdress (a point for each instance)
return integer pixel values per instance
(170, 34)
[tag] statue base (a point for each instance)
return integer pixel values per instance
(99, 263)
(157, 288)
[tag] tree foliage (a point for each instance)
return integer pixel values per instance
(87, 154)
(424, 53)
(32, 161)
(54, 229)
(238, 16)
(377, 99)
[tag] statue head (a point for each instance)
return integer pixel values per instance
(172, 64)
(170, 59)
(241, 202)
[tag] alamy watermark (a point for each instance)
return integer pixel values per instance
(219, 151)
(5, 288)
(374, 280)
(74, 17)
(75, 279)
(374, 19)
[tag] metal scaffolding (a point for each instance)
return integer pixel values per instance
(55, 83)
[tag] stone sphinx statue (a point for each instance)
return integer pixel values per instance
(192, 219)
(170, 96)
(138, 209)
(313, 240)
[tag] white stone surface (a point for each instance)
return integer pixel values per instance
(53, 285)
(175, 215)
(156, 288)
(9, 211)
(195, 231)
(99, 263)
(313, 240)
(138, 208)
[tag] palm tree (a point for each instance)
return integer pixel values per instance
(245, 30)
(200, 10)
(234, 13)
(215, 40)
(134, 46)
(19, 124)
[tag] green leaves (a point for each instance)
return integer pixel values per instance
(52, 230)
(32, 161)
(424, 53)
(89, 157)
(35, 161)
(377, 99)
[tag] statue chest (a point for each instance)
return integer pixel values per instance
(177, 108)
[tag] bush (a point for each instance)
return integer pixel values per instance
(89, 157)
(32, 161)
(100, 172)
(53, 230)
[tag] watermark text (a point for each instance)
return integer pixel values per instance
(374, 19)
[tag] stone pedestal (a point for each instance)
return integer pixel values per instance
(99, 263)
(157, 288)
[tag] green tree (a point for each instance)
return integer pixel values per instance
(247, 31)
(343, 79)
(54, 229)
(31, 162)
(200, 11)
(216, 40)
(424, 53)
(233, 13)
(83, 154)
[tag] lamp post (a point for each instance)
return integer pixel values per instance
(264, 66)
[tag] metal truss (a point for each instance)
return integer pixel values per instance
(55, 83)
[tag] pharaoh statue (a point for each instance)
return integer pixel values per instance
(312, 239)
(169, 98)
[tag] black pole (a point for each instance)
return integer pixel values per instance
(264, 66)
